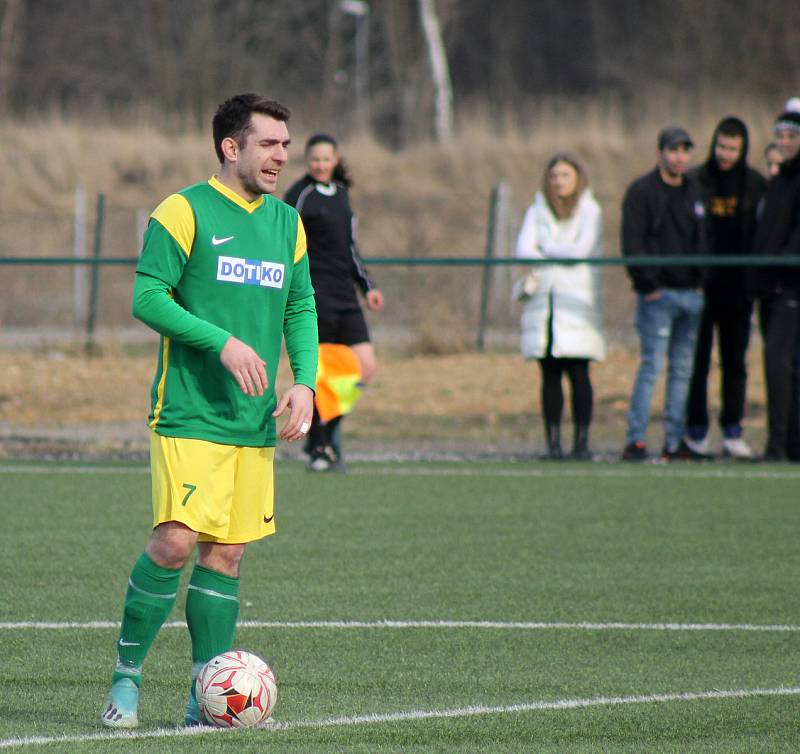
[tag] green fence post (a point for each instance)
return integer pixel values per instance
(95, 284)
(486, 268)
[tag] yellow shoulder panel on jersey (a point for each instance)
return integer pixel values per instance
(300, 245)
(176, 216)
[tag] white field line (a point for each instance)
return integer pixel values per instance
(480, 469)
(441, 624)
(56, 469)
(611, 471)
(431, 714)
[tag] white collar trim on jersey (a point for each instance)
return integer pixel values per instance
(326, 189)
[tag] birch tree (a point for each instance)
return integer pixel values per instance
(440, 72)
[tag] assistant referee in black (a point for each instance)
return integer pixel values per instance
(337, 271)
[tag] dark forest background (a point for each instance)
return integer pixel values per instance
(176, 59)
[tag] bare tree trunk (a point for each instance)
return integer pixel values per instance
(395, 112)
(362, 69)
(330, 88)
(440, 72)
(9, 33)
(164, 64)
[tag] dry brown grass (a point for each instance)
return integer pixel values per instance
(426, 200)
(466, 400)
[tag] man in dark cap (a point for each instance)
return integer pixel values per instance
(734, 191)
(663, 214)
(778, 292)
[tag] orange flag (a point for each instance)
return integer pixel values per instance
(338, 380)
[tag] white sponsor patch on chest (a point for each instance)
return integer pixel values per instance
(250, 272)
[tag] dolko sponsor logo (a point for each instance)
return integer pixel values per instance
(250, 272)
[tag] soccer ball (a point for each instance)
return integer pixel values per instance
(236, 690)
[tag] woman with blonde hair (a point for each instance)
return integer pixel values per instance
(562, 314)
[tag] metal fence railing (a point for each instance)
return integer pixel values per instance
(85, 265)
(662, 261)
(94, 263)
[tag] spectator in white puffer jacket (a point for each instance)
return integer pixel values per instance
(562, 319)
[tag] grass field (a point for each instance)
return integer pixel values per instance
(433, 608)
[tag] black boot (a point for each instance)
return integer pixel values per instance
(333, 443)
(316, 434)
(333, 434)
(553, 436)
(580, 445)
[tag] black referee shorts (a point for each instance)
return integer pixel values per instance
(341, 321)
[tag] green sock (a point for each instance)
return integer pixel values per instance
(212, 607)
(149, 600)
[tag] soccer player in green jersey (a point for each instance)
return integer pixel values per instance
(223, 277)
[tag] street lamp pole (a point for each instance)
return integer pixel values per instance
(359, 9)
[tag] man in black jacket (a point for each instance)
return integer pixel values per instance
(778, 292)
(663, 215)
(734, 191)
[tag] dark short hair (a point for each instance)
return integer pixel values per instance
(233, 118)
(732, 126)
(321, 139)
(341, 173)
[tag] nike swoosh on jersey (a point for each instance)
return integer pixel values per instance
(217, 241)
(123, 643)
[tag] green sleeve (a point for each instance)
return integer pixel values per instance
(302, 340)
(300, 325)
(153, 304)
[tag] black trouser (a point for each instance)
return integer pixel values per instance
(577, 371)
(731, 314)
(780, 329)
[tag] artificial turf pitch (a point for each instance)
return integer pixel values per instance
(492, 607)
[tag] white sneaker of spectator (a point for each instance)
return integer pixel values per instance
(697, 446)
(736, 447)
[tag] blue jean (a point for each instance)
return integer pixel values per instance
(668, 328)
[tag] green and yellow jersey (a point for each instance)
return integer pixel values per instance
(214, 265)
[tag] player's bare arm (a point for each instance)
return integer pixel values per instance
(246, 366)
(299, 399)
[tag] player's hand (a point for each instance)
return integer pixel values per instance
(299, 399)
(374, 300)
(246, 366)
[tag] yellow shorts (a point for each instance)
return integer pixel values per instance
(224, 492)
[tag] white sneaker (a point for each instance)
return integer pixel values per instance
(318, 463)
(697, 446)
(736, 447)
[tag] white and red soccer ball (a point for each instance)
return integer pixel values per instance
(236, 690)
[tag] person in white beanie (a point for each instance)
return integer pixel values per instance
(792, 105)
(777, 290)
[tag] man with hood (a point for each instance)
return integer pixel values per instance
(778, 292)
(733, 192)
